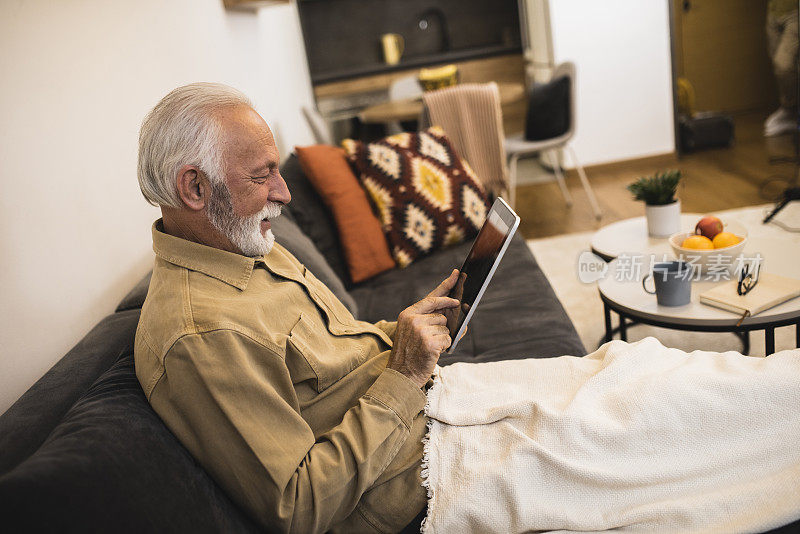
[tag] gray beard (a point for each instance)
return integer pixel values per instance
(244, 232)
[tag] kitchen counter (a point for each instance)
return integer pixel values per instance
(415, 62)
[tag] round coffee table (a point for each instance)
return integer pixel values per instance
(621, 289)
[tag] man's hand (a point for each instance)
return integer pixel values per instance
(422, 333)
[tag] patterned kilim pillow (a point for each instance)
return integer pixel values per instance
(426, 196)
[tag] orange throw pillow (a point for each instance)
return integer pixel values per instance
(363, 242)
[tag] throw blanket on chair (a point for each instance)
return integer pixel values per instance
(635, 436)
(471, 116)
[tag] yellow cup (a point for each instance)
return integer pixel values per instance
(438, 77)
(393, 46)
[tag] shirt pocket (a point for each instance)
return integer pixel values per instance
(320, 358)
(324, 296)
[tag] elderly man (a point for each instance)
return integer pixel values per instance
(309, 419)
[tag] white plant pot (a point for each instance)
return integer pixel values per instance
(663, 221)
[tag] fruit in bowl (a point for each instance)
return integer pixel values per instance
(697, 242)
(700, 250)
(725, 240)
(709, 226)
(701, 242)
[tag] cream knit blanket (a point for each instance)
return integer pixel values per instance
(633, 436)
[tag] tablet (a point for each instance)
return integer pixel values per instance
(476, 273)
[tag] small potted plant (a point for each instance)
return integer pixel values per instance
(662, 209)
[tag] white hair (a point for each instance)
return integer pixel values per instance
(183, 130)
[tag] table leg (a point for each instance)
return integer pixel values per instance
(797, 335)
(607, 313)
(744, 337)
(623, 328)
(769, 340)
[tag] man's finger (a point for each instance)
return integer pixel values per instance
(435, 318)
(436, 330)
(446, 285)
(431, 304)
(442, 330)
(464, 333)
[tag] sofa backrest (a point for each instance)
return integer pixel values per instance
(83, 451)
(28, 422)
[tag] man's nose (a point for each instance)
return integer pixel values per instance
(281, 192)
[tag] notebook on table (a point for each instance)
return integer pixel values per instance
(772, 289)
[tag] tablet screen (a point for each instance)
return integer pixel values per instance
(481, 260)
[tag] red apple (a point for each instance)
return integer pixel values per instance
(708, 226)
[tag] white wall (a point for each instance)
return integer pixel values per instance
(622, 52)
(78, 76)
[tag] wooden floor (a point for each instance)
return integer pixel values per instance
(712, 180)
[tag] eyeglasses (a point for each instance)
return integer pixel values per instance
(748, 277)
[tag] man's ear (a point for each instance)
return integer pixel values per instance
(193, 189)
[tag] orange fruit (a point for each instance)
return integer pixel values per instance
(698, 242)
(725, 239)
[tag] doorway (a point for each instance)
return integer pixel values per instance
(721, 49)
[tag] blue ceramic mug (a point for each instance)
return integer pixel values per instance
(673, 283)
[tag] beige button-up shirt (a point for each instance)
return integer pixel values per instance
(273, 386)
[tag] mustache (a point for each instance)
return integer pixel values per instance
(271, 210)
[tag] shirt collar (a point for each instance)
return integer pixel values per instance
(231, 268)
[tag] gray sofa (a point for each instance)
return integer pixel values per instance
(82, 451)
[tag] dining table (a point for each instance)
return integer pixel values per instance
(408, 109)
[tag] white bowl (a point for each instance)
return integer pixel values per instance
(720, 258)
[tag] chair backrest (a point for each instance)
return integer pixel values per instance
(471, 116)
(319, 127)
(567, 69)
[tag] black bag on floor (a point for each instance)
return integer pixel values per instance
(705, 130)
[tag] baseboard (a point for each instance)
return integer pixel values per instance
(656, 162)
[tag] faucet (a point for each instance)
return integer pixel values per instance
(438, 14)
